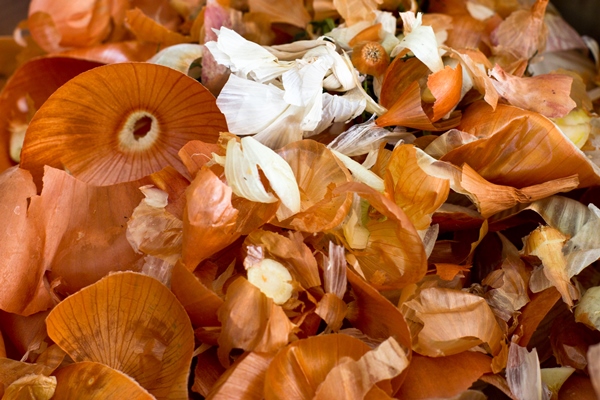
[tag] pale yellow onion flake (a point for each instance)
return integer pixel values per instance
(273, 280)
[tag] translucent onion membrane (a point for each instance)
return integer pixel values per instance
(82, 246)
(318, 173)
(12, 370)
(298, 369)
(148, 30)
(290, 12)
(443, 377)
(251, 321)
(394, 256)
(132, 323)
(111, 53)
(119, 123)
(57, 25)
(21, 267)
(27, 89)
(91, 380)
(519, 148)
(245, 379)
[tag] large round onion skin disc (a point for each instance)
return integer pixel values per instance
(120, 122)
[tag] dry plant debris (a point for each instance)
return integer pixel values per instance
(349, 199)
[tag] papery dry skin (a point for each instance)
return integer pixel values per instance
(476, 65)
(448, 141)
(547, 94)
(561, 35)
(39, 387)
(148, 30)
(209, 218)
(509, 283)
(534, 312)
(11, 370)
(445, 86)
(523, 33)
(291, 12)
(593, 357)
(408, 111)
(36, 80)
(443, 377)
(199, 301)
(154, 231)
(207, 372)
(398, 77)
(195, 154)
(519, 148)
(377, 317)
(334, 271)
(244, 379)
(85, 228)
(298, 369)
(56, 25)
(318, 172)
(21, 247)
(26, 336)
(147, 113)
(134, 324)
(251, 321)
(354, 11)
(357, 378)
(417, 193)
(446, 322)
(491, 199)
(394, 256)
(290, 251)
(112, 53)
(448, 272)
(523, 373)
(92, 380)
(546, 243)
(332, 310)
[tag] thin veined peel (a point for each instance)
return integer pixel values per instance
(290, 12)
(318, 172)
(547, 94)
(543, 152)
(149, 113)
(200, 302)
(22, 264)
(36, 80)
(445, 86)
(408, 111)
(251, 321)
(593, 356)
(438, 320)
(523, 373)
(209, 218)
(92, 380)
(416, 192)
(588, 311)
(148, 30)
(357, 378)
(443, 377)
(155, 341)
(299, 368)
(86, 246)
(394, 256)
(245, 378)
(31, 386)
